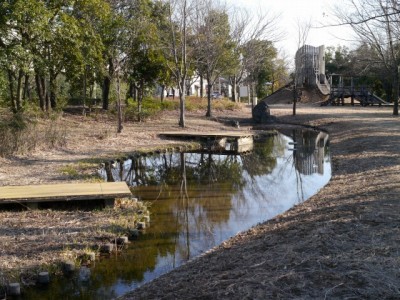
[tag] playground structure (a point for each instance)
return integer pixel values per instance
(310, 72)
(348, 87)
(311, 84)
(310, 69)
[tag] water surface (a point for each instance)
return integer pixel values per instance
(198, 200)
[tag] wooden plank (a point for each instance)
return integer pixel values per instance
(64, 192)
(234, 134)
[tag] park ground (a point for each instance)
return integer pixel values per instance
(343, 243)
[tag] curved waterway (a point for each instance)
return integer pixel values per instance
(198, 200)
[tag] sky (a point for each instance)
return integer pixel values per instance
(318, 11)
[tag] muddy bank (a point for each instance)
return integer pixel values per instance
(343, 243)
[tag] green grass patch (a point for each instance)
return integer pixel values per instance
(81, 171)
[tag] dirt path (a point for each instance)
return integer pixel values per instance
(343, 243)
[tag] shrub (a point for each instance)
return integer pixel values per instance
(20, 133)
(150, 107)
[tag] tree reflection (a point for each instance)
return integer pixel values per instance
(262, 160)
(195, 188)
(195, 195)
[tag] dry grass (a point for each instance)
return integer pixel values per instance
(340, 244)
(22, 134)
(42, 238)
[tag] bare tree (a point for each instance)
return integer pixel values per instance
(118, 90)
(303, 29)
(176, 47)
(246, 27)
(376, 22)
(213, 45)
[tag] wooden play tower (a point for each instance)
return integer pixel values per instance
(310, 69)
(310, 73)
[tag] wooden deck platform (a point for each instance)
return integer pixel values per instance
(107, 191)
(231, 141)
(211, 134)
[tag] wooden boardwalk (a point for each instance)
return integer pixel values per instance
(64, 192)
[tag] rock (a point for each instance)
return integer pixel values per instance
(122, 240)
(43, 278)
(14, 289)
(133, 234)
(106, 248)
(261, 113)
(84, 274)
(69, 266)
(141, 225)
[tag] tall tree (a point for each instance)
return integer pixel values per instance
(145, 59)
(259, 55)
(246, 27)
(213, 43)
(176, 48)
(338, 60)
(22, 23)
(113, 35)
(94, 17)
(303, 29)
(46, 38)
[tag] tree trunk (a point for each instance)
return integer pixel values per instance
(45, 93)
(249, 94)
(26, 94)
(53, 90)
(40, 91)
(294, 99)
(106, 92)
(396, 92)
(201, 86)
(11, 88)
(162, 93)
(107, 84)
(182, 103)
(140, 100)
(84, 89)
(120, 127)
(208, 114)
(234, 87)
(131, 89)
(135, 93)
(18, 98)
(252, 93)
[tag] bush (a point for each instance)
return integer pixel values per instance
(150, 108)
(20, 133)
(196, 103)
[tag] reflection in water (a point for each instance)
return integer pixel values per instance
(198, 201)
